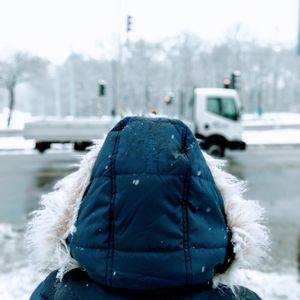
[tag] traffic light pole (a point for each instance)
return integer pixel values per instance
(118, 67)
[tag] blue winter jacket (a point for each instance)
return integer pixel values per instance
(151, 224)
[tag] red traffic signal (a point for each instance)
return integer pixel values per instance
(226, 83)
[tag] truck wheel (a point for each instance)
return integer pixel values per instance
(216, 150)
(42, 146)
(81, 146)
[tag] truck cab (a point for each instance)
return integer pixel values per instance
(217, 119)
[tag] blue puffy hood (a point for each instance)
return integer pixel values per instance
(151, 216)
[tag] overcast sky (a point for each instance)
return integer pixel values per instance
(53, 28)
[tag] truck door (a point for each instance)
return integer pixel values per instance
(223, 117)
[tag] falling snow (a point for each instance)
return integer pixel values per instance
(136, 181)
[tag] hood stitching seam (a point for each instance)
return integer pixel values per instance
(153, 250)
(185, 223)
(111, 242)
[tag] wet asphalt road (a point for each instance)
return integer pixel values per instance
(25, 176)
(273, 176)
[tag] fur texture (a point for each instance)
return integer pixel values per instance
(54, 221)
(245, 219)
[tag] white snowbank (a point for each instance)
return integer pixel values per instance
(272, 119)
(16, 143)
(17, 121)
(19, 284)
(271, 286)
(272, 137)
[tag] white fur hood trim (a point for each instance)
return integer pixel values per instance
(245, 219)
(55, 220)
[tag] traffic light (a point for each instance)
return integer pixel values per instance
(102, 88)
(226, 83)
(129, 23)
(168, 99)
(235, 79)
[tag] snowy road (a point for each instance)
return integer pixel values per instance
(272, 174)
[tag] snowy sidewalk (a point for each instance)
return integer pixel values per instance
(16, 143)
(18, 278)
(272, 286)
(275, 137)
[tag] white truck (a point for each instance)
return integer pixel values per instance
(81, 131)
(215, 119)
(216, 114)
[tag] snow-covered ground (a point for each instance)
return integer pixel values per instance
(19, 283)
(17, 121)
(16, 143)
(272, 286)
(271, 121)
(272, 129)
(272, 137)
(272, 118)
(18, 278)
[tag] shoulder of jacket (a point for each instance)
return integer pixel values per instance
(246, 294)
(46, 289)
(75, 284)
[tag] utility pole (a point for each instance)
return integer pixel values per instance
(117, 106)
(72, 91)
(298, 44)
(120, 68)
(117, 69)
(57, 94)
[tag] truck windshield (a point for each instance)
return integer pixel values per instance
(224, 107)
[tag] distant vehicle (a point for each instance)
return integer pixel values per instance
(81, 132)
(214, 117)
(216, 114)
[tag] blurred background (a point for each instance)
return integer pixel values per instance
(69, 70)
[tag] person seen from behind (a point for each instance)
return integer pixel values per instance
(147, 215)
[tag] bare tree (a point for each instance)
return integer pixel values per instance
(19, 68)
